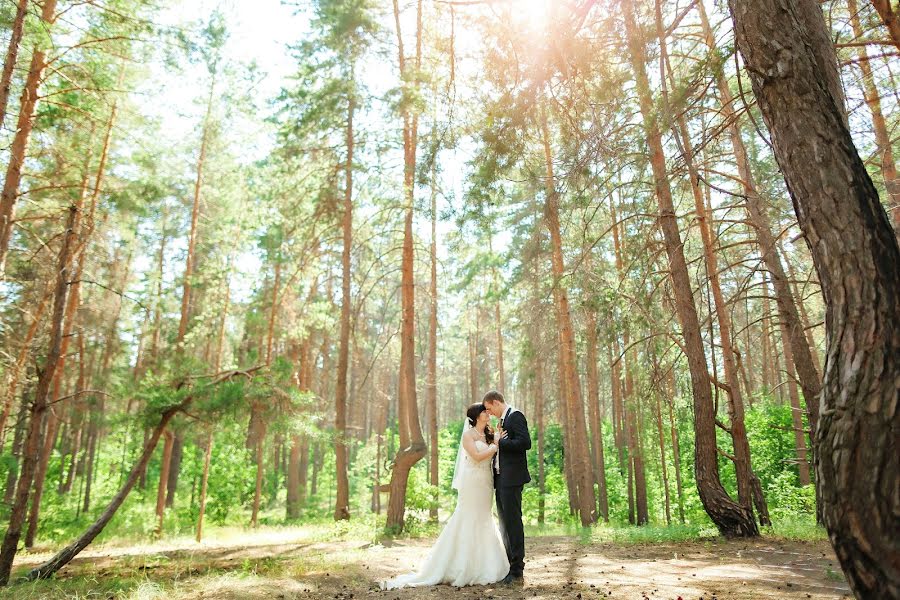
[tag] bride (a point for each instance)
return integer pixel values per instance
(469, 550)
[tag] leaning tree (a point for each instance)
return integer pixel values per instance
(792, 67)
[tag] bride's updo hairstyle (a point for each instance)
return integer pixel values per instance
(473, 412)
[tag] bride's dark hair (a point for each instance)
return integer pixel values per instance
(473, 412)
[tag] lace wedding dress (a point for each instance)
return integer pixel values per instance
(469, 550)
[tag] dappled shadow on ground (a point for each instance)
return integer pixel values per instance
(557, 567)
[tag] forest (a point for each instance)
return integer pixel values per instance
(257, 259)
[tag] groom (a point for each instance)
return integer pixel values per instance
(510, 475)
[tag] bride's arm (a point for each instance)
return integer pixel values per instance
(472, 450)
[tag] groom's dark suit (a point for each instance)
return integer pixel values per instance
(508, 483)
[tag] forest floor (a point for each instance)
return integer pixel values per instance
(285, 565)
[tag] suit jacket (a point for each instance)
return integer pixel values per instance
(513, 461)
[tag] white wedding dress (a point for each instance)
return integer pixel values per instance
(469, 550)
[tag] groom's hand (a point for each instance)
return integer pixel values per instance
(503, 434)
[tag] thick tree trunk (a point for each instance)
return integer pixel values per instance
(858, 263)
(12, 53)
(32, 446)
(342, 499)
(731, 518)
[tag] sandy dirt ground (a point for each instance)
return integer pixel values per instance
(556, 567)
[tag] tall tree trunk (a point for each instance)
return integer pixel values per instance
(593, 398)
(10, 194)
(174, 468)
(165, 463)
(412, 444)
(207, 455)
(704, 216)
(731, 518)
(676, 451)
(873, 100)
(431, 376)
(19, 366)
(858, 262)
(195, 215)
(12, 53)
(32, 447)
(342, 499)
(581, 463)
(809, 378)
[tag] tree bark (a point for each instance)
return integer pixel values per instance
(412, 444)
(431, 376)
(12, 53)
(809, 378)
(890, 17)
(858, 263)
(32, 446)
(207, 455)
(593, 398)
(195, 215)
(62, 558)
(873, 100)
(731, 518)
(165, 462)
(342, 498)
(578, 445)
(10, 193)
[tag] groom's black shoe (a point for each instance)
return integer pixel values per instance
(511, 579)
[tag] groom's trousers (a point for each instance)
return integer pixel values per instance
(509, 513)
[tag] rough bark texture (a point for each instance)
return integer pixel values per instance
(858, 263)
(731, 518)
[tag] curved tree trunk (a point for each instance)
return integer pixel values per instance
(731, 518)
(62, 558)
(858, 263)
(412, 444)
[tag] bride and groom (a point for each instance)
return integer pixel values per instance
(471, 549)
